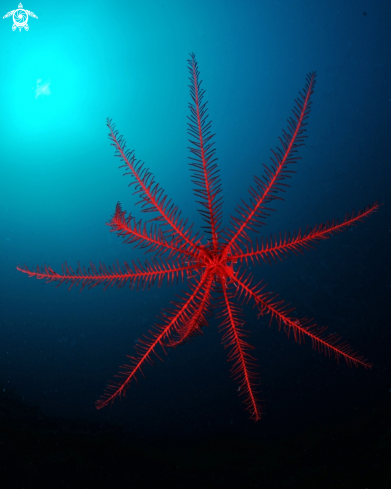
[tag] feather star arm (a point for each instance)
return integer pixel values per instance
(199, 318)
(274, 247)
(251, 216)
(243, 361)
(136, 233)
(138, 275)
(147, 346)
(268, 303)
(204, 169)
(151, 195)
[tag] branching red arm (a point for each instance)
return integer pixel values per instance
(205, 171)
(243, 362)
(281, 246)
(136, 233)
(146, 348)
(138, 275)
(252, 215)
(330, 344)
(152, 197)
(198, 320)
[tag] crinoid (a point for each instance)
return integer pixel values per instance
(208, 263)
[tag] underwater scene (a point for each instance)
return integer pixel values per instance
(195, 234)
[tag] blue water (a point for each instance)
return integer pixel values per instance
(82, 62)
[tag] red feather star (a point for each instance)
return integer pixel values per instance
(208, 264)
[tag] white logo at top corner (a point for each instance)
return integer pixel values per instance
(20, 16)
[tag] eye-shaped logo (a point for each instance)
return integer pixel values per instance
(20, 16)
